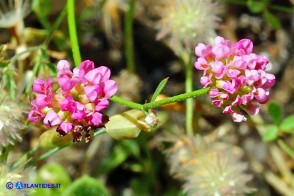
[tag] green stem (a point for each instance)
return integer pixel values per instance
(189, 102)
(73, 32)
(27, 158)
(271, 6)
(54, 27)
(286, 148)
(125, 102)
(129, 42)
(176, 98)
(147, 106)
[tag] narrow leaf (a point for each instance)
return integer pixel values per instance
(272, 20)
(159, 89)
(270, 134)
(86, 185)
(287, 125)
(275, 112)
(256, 6)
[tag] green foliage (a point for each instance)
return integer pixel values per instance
(159, 88)
(120, 152)
(86, 186)
(272, 20)
(287, 125)
(8, 80)
(275, 112)
(42, 8)
(53, 174)
(257, 6)
(271, 133)
(263, 7)
(3, 61)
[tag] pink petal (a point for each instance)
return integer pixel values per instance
(252, 76)
(261, 95)
(63, 65)
(205, 81)
(64, 128)
(42, 87)
(67, 104)
(228, 110)
(217, 102)
(247, 98)
(110, 88)
(93, 92)
(201, 64)
(238, 62)
(94, 76)
(80, 112)
(85, 67)
(237, 101)
(202, 50)
(51, 119)
(43, 100)
(221, 51)
(105, 72)
(238, 117)
(101, 105)
(213, 92)
(268, 81)
(66, 84)
(35, 115)
(252, 109)
(233, 73)
(244, 46)
(95, 119)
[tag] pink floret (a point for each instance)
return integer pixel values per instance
(236, 76)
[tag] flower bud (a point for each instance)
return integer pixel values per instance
(127, 125)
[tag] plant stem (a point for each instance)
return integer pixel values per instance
(73, 32)
(27, 158)
(189, 102)
(286, 148)
(176, 98)
(129, 42)
(54, 27)
(125, 102)
(147, 106)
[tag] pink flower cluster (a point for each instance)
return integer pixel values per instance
(236, 76)
(76, 104)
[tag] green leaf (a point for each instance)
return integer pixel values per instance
(270, 134)
(287, 125)
(275, 112)
(131, 147)
(86, 186)
(41, 7)
(51, 174)
(159, 89)
(4, 63)
(272, 20)
(257, 6)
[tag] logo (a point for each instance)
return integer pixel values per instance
(9, 185)
(19, 185)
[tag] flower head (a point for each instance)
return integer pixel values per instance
(186, 22)
(77, 106)
(12, 13)
(20, 174)
(214, 169)
(236, 76)
(11, 116)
